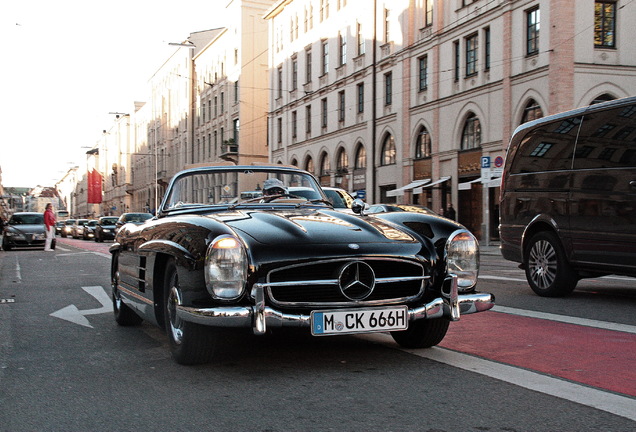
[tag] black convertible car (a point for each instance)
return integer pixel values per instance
(212, 259)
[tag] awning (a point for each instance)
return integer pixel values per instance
(489, 182)
(420, 189)
(412, 185)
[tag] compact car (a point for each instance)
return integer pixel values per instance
(211, 261)
(89, 230)
(105, 228)
(77, 230)
(59, 226)
(24, 229)
(68, 228)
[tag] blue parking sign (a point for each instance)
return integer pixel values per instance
(485, 161)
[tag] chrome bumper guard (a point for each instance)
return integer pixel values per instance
(259, 317)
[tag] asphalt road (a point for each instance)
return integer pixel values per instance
(533, 364)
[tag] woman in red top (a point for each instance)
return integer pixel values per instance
(49, 223)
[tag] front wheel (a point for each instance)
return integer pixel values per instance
(547, 269)
(190, 343)
(422, 333)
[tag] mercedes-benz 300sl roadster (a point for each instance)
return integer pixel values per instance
(234, 247)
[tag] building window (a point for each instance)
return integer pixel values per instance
(360, 98)
(487, 48)
(324, 10)
(294, 74)
(457, 61)
(361, 157)
(308, 120)
(308, 66)
(279, 138)
(605, 24)
(423, 73)
(325, 57)
(222, 102)
(387, 25)
(359, 39)
(428, 13)
(533, 21)
(471, 55)
(341, 106)
(342, 162)
(423, 144)
(236, 92)
(342, 38)
(235, 131)
(323, 115)
(216, 106)
(388, 151)
(280, 81)
(294, 124)
(309, 165)
(388, 88)
(471, 135)
(532, 111)
(324, 165)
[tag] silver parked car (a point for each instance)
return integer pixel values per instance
(24, 229)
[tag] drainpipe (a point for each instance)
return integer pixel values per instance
(371, 196)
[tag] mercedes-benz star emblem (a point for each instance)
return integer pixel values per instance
(357, 280)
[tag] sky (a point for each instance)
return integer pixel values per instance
(66, 64)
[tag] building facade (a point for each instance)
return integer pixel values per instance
(414, 101)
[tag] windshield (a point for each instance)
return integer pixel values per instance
(27, 219)
(225, 186)
(109, 221)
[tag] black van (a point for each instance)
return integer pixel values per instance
(568, 196)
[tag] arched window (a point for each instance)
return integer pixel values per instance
(423, 144)
(309, 165)
(324, 165)
(361, 157)
(342, 161)
(294, 162)
(532, 111)
(603, 98)
(471, 135)
(388, 151)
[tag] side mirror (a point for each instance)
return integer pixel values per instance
(358, 206)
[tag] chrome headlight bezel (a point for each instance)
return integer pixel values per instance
(462, 258)
(226, 268)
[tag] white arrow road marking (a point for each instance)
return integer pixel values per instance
(73, 314)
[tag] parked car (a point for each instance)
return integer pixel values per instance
(387, 208)
(568, 196)
(68, 228)
(105, 228)
(77, 230)
(59, 226)
(89, 230)
(210, 261)
(339, 198)
(24, 229)
(133, 218)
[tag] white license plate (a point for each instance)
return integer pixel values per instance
(347, 321)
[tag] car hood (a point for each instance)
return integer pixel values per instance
(309, 226)
(27, 229)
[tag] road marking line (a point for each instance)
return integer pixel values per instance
(74, 315)
(18, 272)
(567, 319)
(588, 396)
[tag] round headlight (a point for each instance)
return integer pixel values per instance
(225, 268)
(462, 258)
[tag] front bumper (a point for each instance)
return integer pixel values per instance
(260, 317)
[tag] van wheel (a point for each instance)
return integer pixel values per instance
(547, 269)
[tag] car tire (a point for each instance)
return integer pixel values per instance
(189, 343)
(422, 333)
(124, 316)
(547, 269)
(6, 246)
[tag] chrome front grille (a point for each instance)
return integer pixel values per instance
(318, 284)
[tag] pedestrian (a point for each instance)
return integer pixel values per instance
(450, 213)
(49, 223)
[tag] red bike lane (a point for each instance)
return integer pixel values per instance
(600, 358)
